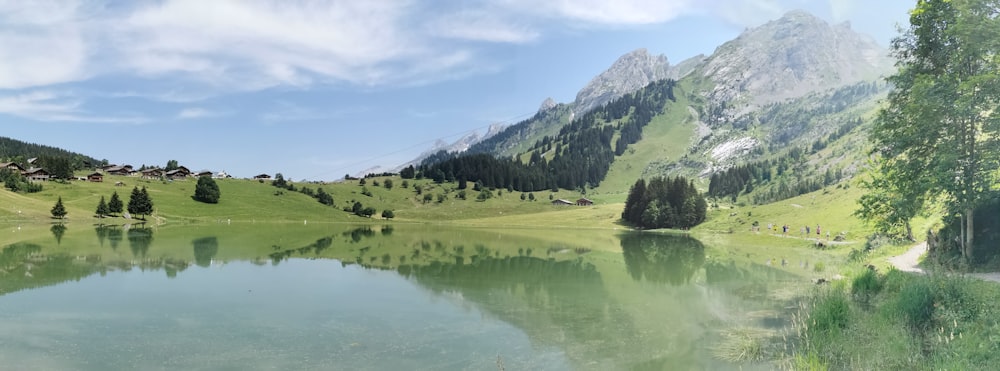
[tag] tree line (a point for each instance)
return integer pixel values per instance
(664, 203)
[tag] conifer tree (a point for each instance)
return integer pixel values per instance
(102, 208)
(59, 211)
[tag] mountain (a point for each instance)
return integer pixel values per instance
(778, 111)
(791, 57)
(19, 151)
(458, 146)
(629, 73)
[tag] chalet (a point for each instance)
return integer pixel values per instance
(178, 173)
(561, 202)
(584, 202)
(95, 177)
(262, 177)
(11, 165)
(36, 174)
(152, 173)
(222, 175)
(202, 173)
(118, 170)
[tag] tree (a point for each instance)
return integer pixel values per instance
(115, 204)
(59, 211)
(408, 172)
(207, 190)
(323, 197)
(388, 214)
(139, 203)
(171, 165)
(387, 184)
(938, 135)
(279, 181)
(102, 208)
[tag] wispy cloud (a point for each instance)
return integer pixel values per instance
(197, 113)
(51, 106)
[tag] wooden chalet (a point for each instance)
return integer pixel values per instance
(262, 177)
(118, 170)
(152, 173)
(95, 177)
(178, 173)
(36, 174)
(202, 173)
(561, 202)
(11, 165)
(584, 202)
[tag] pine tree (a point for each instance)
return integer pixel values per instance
(115, 204)
(102, 208)
(59, 211)
(134, 201)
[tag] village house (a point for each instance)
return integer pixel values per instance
(36, 174)
(584, 202)
(118, 170)
(152, 173)
(95, 177)
(178, 173)
(202, 173)
(262, 177)
(222, 175)
(561, 202)
(11, 165)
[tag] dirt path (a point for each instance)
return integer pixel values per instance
(908, 261)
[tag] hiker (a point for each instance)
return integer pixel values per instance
(817, 230)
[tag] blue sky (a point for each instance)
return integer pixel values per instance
(318, 89)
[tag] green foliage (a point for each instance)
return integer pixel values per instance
(207, 190)
(665, 203)
(15, 182)
(916, 303)
(831, 312)
(139, 203)
(388, 214)
(171, 165)
(405, 184)
(387, 184)
(58, 210)
(865, 286)
(484, 195)
(115, 204)
(323, 197)
(102, 208)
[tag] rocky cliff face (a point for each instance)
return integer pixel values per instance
(790, 57)
(629, 73)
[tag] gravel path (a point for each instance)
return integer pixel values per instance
(908, 261)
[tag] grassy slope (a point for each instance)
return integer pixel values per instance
(666, 138)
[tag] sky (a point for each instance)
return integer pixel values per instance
(317, 89)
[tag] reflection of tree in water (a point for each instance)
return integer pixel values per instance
(205, 249)
(662, 258)
(114, 237)
(558, 303)
(58, 230)
(139, 239)
(22, 266)
(102, 233)
(358, 233)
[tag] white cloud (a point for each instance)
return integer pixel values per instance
(52, 106)
(41, 43)
(622, 12)
(197, 113)
(482, 25)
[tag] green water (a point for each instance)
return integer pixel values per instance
(266, 297)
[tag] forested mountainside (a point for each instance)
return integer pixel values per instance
(13, 150)
(781, 110)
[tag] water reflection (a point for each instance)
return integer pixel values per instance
(633, 309)
(58, 230)
(661, 258)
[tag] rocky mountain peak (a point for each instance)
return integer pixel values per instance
(793, 56)
(629, 73)
(547, 104)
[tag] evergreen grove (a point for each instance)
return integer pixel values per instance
(664, 203)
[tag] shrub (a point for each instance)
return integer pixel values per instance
(832, 311)
(916, 303)
(865, 286)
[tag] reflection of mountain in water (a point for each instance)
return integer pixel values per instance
(662, 258)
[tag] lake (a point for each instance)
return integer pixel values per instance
(416, 297)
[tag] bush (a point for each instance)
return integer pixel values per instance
(207, 190)
(916, 303)
(831, 312)
(866, 286)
